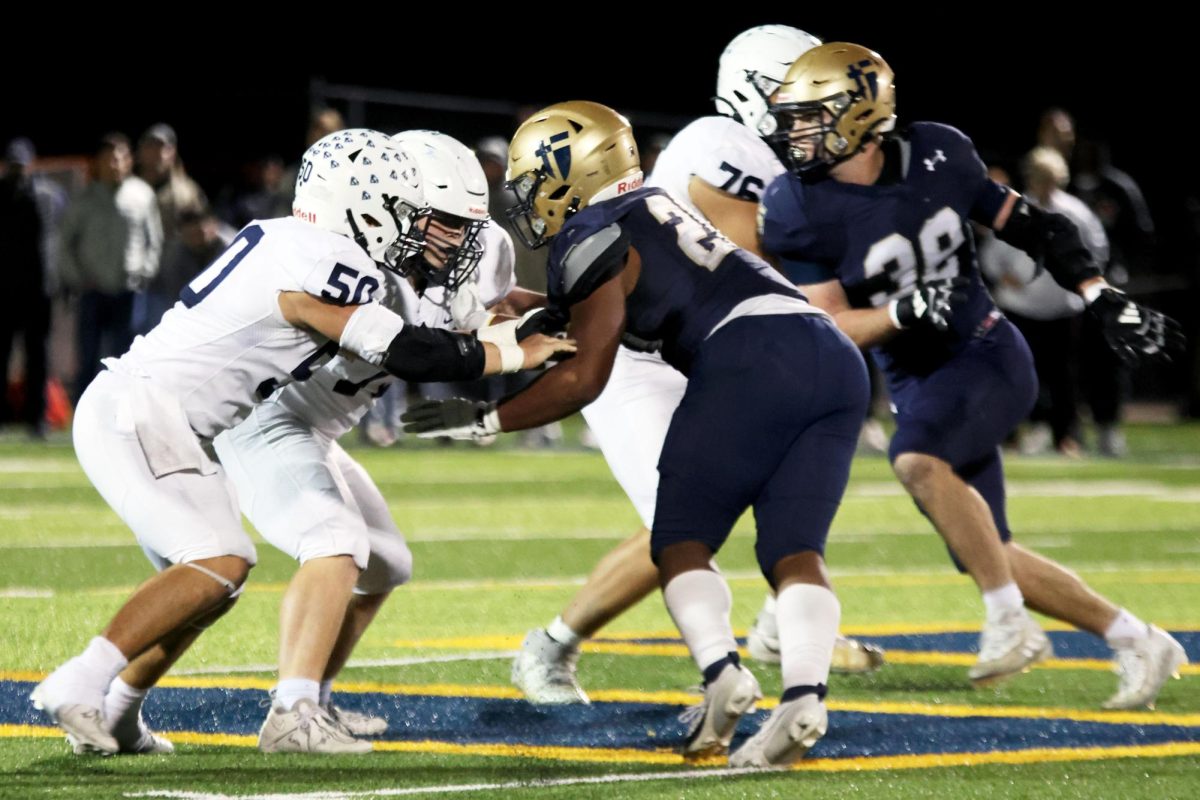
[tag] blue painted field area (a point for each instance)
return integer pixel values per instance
(645, 726)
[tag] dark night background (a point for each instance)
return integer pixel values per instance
(240, 91)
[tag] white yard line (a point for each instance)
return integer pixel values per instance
(461, 788)
(24, 591)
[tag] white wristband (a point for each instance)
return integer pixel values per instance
(369, 332)
(893, 316)
(500, 333)
(1093, 290)
(512, 357)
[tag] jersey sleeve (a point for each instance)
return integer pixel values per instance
(788, 233)
(497, 277)
(737, 162)
(341, 275)
(987, 195)
(583, 262)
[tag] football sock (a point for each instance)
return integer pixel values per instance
(1006, 598)
(1125, 628)
(561, 632)
(292, 690)
(808, 618)
(699, 603)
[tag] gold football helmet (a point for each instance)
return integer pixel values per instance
(563, 158)
(834, 99)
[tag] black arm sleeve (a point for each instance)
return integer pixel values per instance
(433, 355)
(1053, 240)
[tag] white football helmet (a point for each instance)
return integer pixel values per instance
(456, 191)
(359, 183)
(752, 67)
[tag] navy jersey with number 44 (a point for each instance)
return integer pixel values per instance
(692, 277)
(881, 240)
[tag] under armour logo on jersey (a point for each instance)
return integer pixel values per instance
(562, 155)
(867, 82)
(1130, 315)
(938, 155)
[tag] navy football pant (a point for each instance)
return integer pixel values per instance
(770, 419)
(963, 410)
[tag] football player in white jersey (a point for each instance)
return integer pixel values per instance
(717, 166)
(281, 300)
(310, 499)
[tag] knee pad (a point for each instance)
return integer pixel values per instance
(390, 564)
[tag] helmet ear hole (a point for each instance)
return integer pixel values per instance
(558, 193)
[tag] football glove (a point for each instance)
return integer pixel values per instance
(1136, 333)
(455, 418)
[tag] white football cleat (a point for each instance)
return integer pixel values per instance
(854, 657)
(142, 741)
(712, 722)
(544, 671)
(307, 728)
(357, 723)
(83, 723)
(762, 640)
(790, 732)
(1010, 645)
(850, 656)
(1144, 667)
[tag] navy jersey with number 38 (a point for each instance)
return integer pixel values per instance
(692, 277)
(879, 241)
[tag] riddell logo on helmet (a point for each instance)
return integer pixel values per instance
(307, 216)
(629, 186)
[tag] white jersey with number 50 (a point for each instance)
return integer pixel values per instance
(721, 152)
(225, 345)
(339, 394)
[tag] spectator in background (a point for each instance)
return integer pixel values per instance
(25, 301)
(322, 121)
(1115, 198)
(158, 165)
(270, 195)
(110, 241)
(202, 237)
(1046, 314)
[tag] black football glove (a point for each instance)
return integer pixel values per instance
(1136, 333)
(933, 304)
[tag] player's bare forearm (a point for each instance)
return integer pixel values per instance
(596, 326)
(866, 327)
(517, 302)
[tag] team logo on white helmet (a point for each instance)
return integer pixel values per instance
(359, 183)
(752, 67)
(456, 192)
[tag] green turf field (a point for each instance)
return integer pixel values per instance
(501, 537)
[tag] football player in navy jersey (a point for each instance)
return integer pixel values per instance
(770, 417)
(872, 222)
